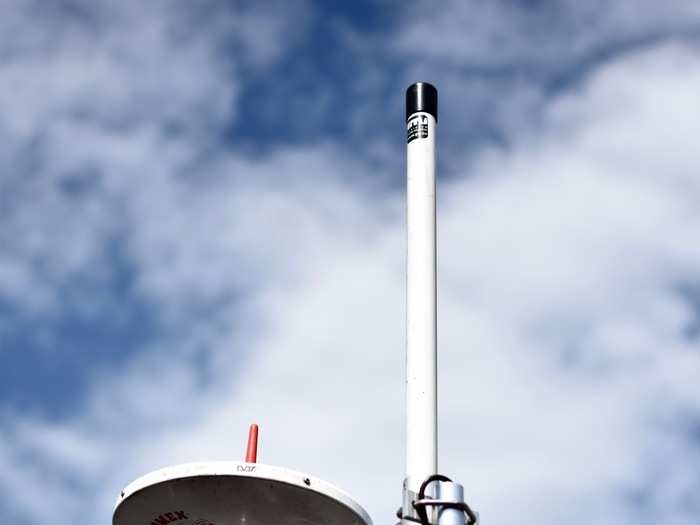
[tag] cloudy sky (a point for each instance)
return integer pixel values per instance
(202, 225)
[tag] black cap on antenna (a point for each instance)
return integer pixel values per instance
(421, 96)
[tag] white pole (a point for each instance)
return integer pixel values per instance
(421, 295)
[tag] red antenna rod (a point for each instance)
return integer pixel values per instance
(251, 453)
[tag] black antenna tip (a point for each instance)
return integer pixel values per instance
(421, 96)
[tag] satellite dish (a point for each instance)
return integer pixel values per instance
(232, 492)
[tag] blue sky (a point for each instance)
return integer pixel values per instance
(202, 226)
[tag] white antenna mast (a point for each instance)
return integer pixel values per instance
(419, 496)
(421, 292)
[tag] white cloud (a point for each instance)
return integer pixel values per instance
(564, 260)
(566, 375)
(99, 96)
(497, 34)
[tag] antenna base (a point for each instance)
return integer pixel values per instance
(443, 505)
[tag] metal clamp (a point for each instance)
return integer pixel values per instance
(450, 504)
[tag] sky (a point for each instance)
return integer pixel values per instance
(202, 226)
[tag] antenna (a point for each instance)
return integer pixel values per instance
(428, 497)
(421, 292)
(251, 451)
